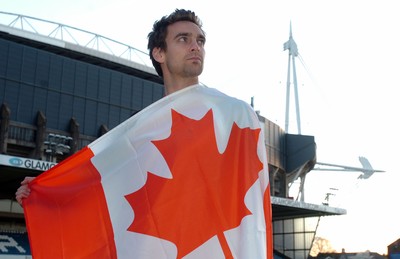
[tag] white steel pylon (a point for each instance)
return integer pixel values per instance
(293, 52)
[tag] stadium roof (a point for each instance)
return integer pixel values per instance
(58, 37)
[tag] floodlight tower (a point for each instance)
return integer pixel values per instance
(293, 53)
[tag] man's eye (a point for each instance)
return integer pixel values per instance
(201, 42)
(182, 39)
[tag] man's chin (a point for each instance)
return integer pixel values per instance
(194, 72)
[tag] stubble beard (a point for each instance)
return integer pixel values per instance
(192, 71)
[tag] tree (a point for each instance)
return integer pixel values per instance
(321, 245)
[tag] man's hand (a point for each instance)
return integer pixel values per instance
(23, 191)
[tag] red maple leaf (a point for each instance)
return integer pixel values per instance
(205, 196)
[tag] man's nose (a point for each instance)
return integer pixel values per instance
(195, 46)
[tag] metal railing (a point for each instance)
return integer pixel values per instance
(22, 132)
(74, 35)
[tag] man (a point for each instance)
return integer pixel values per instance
(220, 209)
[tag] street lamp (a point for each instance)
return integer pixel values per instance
(57, 145)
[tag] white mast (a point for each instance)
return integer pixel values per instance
(293, 52)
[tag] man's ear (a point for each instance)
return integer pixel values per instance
(158, 55)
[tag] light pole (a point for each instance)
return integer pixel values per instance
(56, 146)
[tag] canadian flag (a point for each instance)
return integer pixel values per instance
(187, 177)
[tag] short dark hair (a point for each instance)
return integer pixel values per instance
(159, 33)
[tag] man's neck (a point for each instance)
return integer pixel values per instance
(172, 86)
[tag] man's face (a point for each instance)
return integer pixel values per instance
(184, 55)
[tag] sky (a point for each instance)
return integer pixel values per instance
(347, 77)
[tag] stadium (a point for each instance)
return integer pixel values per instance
(61, 88)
